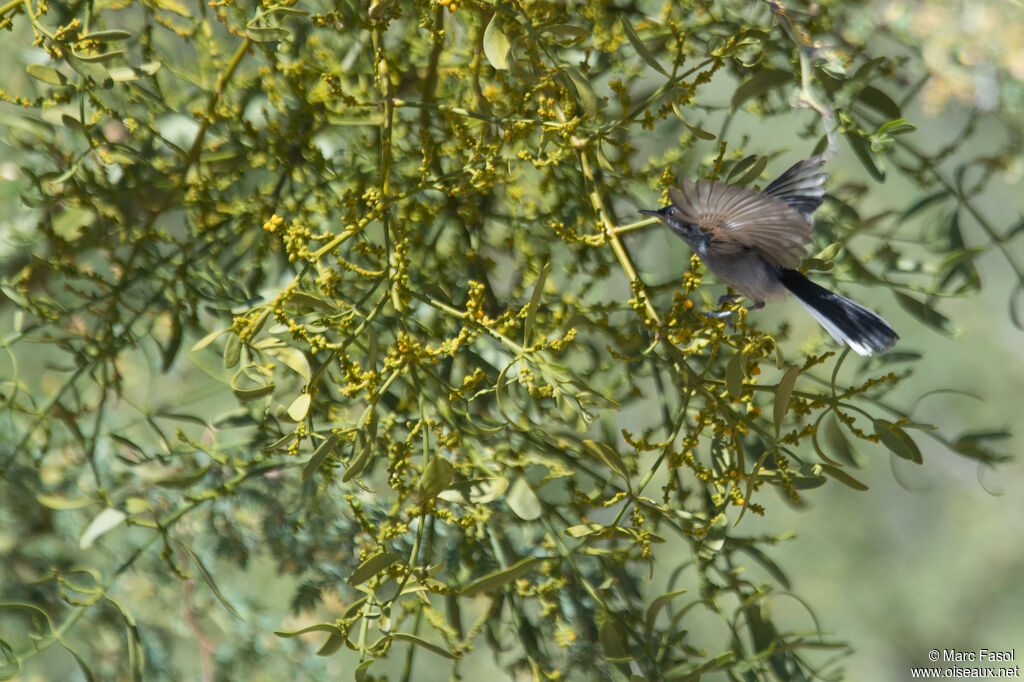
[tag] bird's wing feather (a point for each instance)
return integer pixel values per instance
(802, 186)
(744, 218)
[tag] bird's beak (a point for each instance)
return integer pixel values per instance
(653, 213)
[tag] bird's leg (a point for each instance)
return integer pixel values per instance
(726, 314)
(727, 299)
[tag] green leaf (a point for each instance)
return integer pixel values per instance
(1015, 297)
(369, 444)
(734, 375)
(360, 671)
(319, 627)
(924, 313)
(584, 90)
(829, 252)
(323, 451)
(614, 639)
(176, 6)
(754, 173)
(696, 130)
(782, 394)
(60, 503)
(657, 605)
(267, 34)
(497, 579)
(123, 74)
(898, 126)
(71, 123)
(523, 501)
(90, 71)
(98, 58)
(303, 299)
(420, 642)
(714, 540)
(106, 521)
(531, 309)
(208, 579)
(251, 393)
(47, 74)
(108, 36)
(208, 339)
(924, 203)
(70, 224)
(475, 491)
(289, 357)
(584, 529)
(982, 436)
(332, 644)
(842, 477)
(287, 11)
(608, 456)
(169, 351)
(868, 158)
(897, 440)
(137, 505)
(974, 446)
(573, 35)
(496, 43)
(640, 48)
(232, 351)
(879, 101)
(766, 563)
(740, 166)
(299, 408)
(760, 83)
(436, 477)
(691, 671)
(372, 566)
(183, 481)
(838, 443)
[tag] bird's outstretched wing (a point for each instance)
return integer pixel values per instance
(802, 186)
(741, 217)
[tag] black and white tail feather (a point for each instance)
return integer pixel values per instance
(864, 331)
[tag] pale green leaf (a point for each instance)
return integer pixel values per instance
(323, 451)
(496, 44)
(584, 90)
(897, 440)
(376, 564)
(495, 580)
(640, 48)
(782, 394)
(436, 476)
(420, 642)
(531, 309)
(734, 375)
(107, 520)
(523, 501)
(299, 408)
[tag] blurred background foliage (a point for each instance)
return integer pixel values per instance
(334, 343)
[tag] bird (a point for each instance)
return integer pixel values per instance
(754, 241)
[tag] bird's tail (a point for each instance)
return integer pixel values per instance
(848, 322)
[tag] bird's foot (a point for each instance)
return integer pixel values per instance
(727, 315)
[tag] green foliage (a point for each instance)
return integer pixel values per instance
(434, 385)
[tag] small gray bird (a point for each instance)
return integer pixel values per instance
(754, 241)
